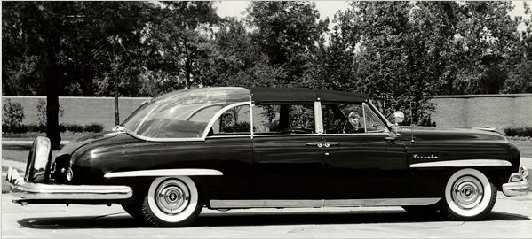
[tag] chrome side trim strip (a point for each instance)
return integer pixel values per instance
(321, 203)
(464, 163)
(164, 172)
(379, 202)
(264, 203)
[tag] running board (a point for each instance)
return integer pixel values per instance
(321, 203)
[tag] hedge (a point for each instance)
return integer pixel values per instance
(518, 131)
(95, 128)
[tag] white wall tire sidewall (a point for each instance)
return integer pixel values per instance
(186, 213)
(486, 197)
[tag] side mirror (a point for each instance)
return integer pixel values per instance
(398, 117)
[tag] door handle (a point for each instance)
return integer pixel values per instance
(319, 144)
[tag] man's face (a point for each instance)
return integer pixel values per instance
(354, 119)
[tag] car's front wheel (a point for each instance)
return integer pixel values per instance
(171, 201)
(469, 195)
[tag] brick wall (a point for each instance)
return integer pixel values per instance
(483, 110)
(81, 110)
(451, 111)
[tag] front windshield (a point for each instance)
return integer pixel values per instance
(182, 113)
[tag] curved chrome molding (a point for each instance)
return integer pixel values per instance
(165, 172)
(197, 139)
(219, 113)
(464, 163)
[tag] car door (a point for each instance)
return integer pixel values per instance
(228, 148)
(287, 162)
(360, 162)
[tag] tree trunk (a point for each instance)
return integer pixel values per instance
(53, 78)
(188, 69)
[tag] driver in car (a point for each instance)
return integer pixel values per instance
(355, 121)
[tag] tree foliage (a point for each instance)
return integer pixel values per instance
(401, 53)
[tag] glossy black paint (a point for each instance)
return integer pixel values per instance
(288, 166)
(292, 166)
(459, 144)
(364, 166)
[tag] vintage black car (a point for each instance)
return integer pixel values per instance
(233, 147)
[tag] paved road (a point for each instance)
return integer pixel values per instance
(511, 217)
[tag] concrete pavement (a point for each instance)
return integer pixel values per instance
(510, 218)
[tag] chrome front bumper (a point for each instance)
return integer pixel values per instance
(517, 185)
(39, 193)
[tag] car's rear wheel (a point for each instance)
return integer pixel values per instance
(171, 201)
(469, 195)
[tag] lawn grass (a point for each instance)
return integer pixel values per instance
(525, 147)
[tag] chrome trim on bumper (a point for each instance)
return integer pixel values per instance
(28, 192)
(517, 185)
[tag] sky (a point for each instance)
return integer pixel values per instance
(326, 8)
(236, 8)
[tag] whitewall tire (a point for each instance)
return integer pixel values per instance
(469, 195)
(171, 201)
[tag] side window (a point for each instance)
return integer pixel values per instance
(350, 119)
(373, 123)
(343, 118)
(233, 121)
(283, 119)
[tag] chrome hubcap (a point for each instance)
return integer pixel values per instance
(172, 196)
(467, 192)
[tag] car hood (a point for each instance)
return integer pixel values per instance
(105, 137)
(433, 133)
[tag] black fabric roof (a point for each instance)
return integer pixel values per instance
(287, 95)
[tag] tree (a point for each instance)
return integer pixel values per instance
(405, 52)
(389, 48)
(178, 36)
(58, 39)
(287, 33)
(484, 37)
(519, 63)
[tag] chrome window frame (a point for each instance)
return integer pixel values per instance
(315, 122)
(317, 104)
(223, 110)
(205, 131)
(318, 124)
